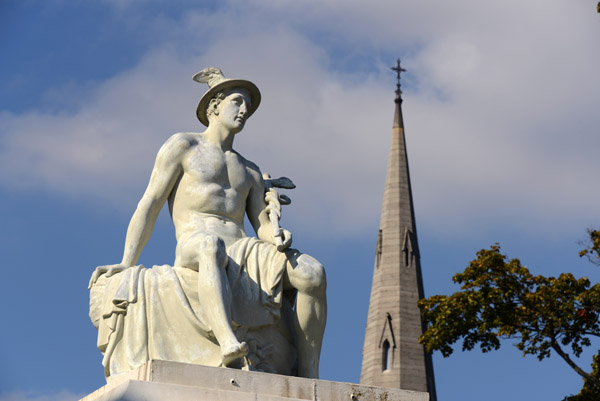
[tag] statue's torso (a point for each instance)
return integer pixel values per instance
(211, 192)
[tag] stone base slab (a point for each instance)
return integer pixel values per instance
(174, 381)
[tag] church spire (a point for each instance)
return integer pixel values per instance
(392, 355)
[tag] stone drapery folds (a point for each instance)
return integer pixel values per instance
(154, 313)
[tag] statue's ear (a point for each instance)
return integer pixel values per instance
(214, 106)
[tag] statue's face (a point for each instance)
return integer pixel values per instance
(233, 110)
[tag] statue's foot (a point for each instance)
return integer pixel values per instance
(234, 352)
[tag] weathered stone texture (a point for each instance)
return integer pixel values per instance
(397, 285)
(174, 381)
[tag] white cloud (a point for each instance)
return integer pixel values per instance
(500, 110)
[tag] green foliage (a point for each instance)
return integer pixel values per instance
(501, 299)
(590, 390)
(592, 247)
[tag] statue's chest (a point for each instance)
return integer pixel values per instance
(215, 167)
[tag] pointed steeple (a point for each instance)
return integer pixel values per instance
(392, 355)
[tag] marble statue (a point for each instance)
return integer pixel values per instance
(229, 299)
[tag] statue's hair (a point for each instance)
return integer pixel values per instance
(217, 99)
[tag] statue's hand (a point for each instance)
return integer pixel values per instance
(108, 270)
(286, 240)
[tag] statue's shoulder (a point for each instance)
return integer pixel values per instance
(180, 142)
(185, 138)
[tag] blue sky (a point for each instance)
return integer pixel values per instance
(501, 115)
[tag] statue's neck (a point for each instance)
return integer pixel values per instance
(220, 136)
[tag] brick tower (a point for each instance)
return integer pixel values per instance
(392, 355)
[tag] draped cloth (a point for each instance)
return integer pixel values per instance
(155, 313)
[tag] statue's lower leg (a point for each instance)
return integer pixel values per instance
(216, 299)
(309, 322)
(307, 276)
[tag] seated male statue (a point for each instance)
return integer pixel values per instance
(223, 302)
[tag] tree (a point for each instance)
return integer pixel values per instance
(501, 299)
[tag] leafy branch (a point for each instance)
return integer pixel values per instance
(501, 299)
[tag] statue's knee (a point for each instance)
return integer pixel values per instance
(311, 275)
(212, 246)
(212, 243)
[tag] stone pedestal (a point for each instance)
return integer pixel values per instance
(173, 381)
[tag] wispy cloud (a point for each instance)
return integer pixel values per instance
(500, 110)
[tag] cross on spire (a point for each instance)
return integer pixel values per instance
(399, 70)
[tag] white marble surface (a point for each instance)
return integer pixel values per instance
(161, 380)
(227, 300)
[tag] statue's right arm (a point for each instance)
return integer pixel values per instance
(167, 170)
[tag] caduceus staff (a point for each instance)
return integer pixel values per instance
(274, 201)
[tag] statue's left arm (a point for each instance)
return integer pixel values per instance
(258, 212)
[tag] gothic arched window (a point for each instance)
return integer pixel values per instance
(386, 354)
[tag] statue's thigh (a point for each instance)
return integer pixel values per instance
(304, 273)
(202, 247)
